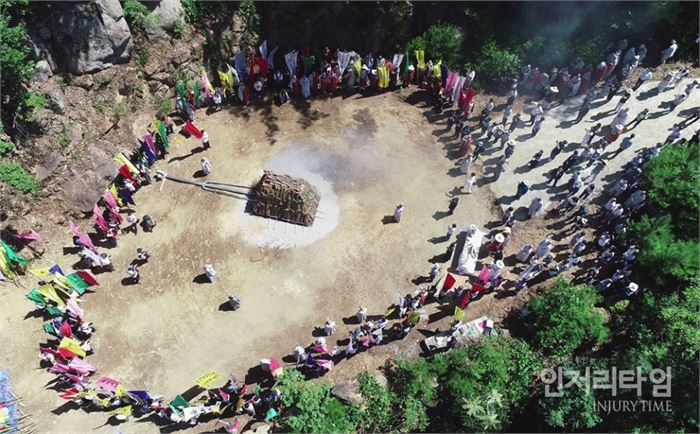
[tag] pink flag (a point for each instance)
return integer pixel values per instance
(87, 242)
(112, 206)
(325, 364)
(31, 236)
(99, 220)
(74, 309)
(365, 341)
(484, 274)
(108, 384)
(321, 349)
(59, 368)
(81, 366)
(452, 78)
(206, 84)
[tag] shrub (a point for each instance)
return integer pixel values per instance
(16, 63)
(17, 177)
(162, 105)
(179, 28)
(196, 11)
(6, 147)
(495, 61)
(138, 15)
(565, 317)
(443, 42)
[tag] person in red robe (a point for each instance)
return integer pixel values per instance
(469, 97)
(333, 85)
(585, 81)
(296, 86)
(324, 83)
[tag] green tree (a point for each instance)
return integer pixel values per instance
(483, 385)
(672, 180)
(309, 407)
(443, 42)
(662, 258)
(494, 61)
(378, 404)
(565, 317)
(17, 65)
(138, 15)
(575, 409)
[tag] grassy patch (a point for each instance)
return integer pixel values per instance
(14, 175)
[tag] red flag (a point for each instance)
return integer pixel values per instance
(66, 330)
(124, 171)
(449, 282)
(192, 130)
(87, 277)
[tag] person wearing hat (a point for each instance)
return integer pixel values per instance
(536, 111)
(669, 52)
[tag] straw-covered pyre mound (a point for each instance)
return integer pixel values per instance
(285, 198)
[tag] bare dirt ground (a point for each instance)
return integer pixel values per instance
(373, 152)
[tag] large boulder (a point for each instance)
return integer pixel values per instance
(168, 14)
(42, 72)
(348, 392)
(88, 37)
(89, 178)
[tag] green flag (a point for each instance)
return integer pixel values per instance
(181, 90)
(77, 283)
(163, 135)
(54, 312)
(178, 403)
(12, 256)
(49, 328)
(195, 91)
(405, 66)
(37, 298)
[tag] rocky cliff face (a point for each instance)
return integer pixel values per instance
(82, 37)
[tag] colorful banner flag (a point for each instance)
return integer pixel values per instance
(73, 346)
(87, 242)
(124, 160)
(49, 293)
(37, 298)
(31, 236)
(12, 256)
(459, 313)
(107, 384)
(207, 379)
(122, 411)
(99, 220)
(87, 277)
(77, 283)
(163, 135)
(42, 273)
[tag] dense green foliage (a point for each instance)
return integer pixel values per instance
(565, 317)
(672, 179)
(6, 147)
(441, 42)
(494, 61)
(667, 231)
(138, 16)
(310, 407)
(14, 175)
(17, 66)
(574, 410)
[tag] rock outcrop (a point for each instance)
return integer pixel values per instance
(168, 13)
(83, 37)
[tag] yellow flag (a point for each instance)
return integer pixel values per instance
(62, 282)
(121, 159)
(122, 411)
(73, 346)
(113, 189)
(104, 403)
(49, 293)
(41, 273)
(207, 379)
(120, 392)
(5, 266)
(420, 58)
(459, 313)
(437, 72)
